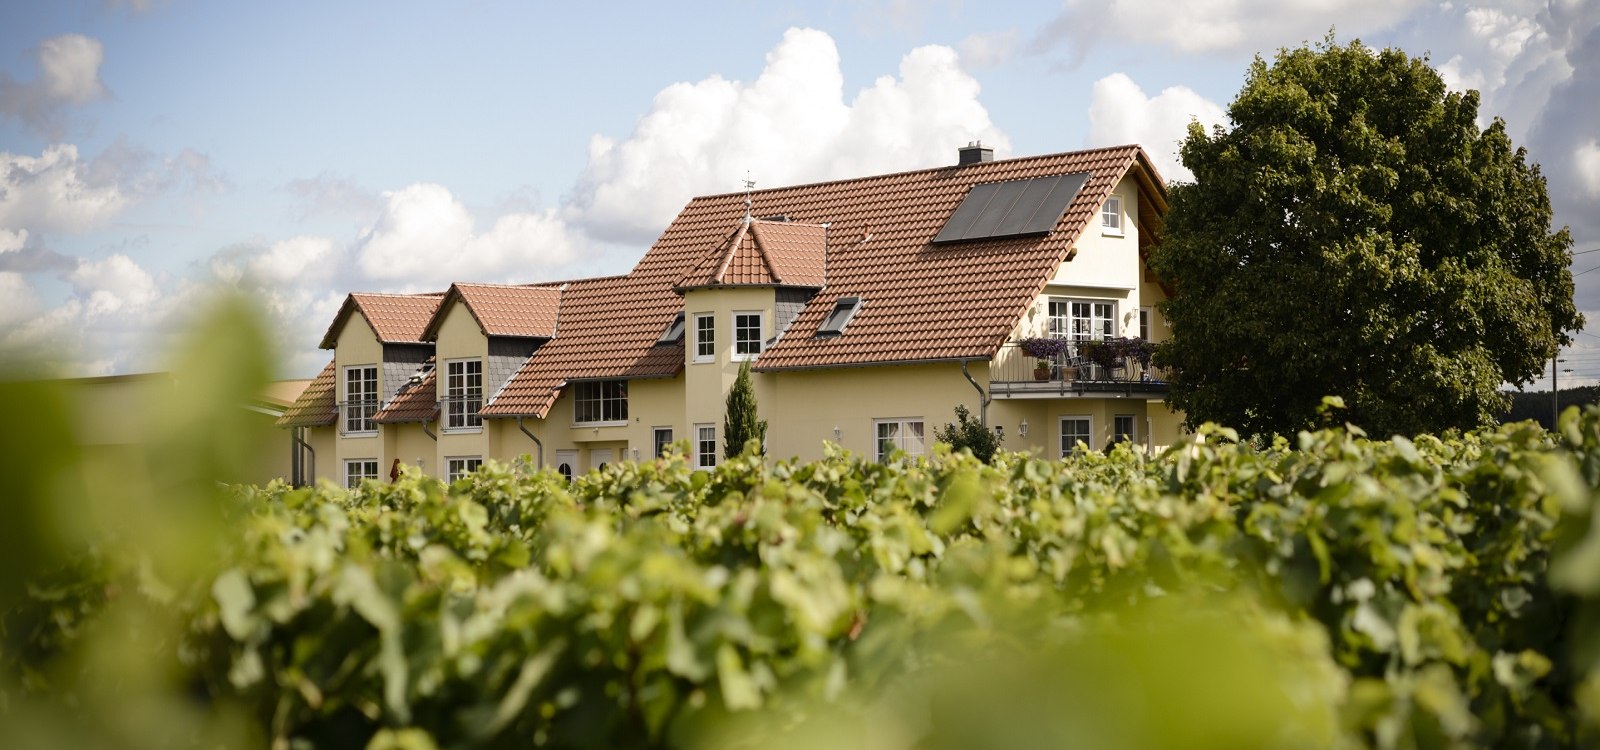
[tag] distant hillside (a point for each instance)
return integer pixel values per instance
(1535, 405)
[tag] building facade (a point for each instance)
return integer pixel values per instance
(867, 309)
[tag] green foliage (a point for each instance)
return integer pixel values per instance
(740, 422)
(1355, 233)
(970, 434)
(1329, 592)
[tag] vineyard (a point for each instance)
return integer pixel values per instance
(1329, 591)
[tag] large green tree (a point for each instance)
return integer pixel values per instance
(1356, 233)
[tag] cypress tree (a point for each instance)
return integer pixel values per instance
(740, 422)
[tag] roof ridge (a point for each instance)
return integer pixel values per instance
(412, 295)
(733, 249)
(907, 172)
(766, 259)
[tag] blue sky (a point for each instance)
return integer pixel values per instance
(156, 147)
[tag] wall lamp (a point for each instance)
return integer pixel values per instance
(1022, 429)
(836, 433)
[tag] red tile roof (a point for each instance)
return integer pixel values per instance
(414, 403)
(503, 310)
(921, 301)
(395, 318)
(797, 252)
(316, 404)
(763, 253)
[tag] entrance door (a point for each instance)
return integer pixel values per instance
(567, 463)
(599, 458)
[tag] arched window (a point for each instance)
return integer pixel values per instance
(602, 466)
(566, 471)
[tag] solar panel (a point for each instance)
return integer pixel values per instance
(1013, 208)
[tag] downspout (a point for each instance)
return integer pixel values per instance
(538, 463)
(429, 432)
(299, 434)
(983, 398)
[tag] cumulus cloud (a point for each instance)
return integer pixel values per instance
(22, 304)
(54, 191)
(67, 72)
(988, 49)
(113, 286)
(1586, 160)
(790, 125)
(1120, 112)
(12, 241)
(1227, 27)
(425, 238)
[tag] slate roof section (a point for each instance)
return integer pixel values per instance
(316, 406)
(502, 309)
(395, 318)
(923, 302)
(413, 403)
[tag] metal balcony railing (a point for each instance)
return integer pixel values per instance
(461, 412)
(1015, 373)
(356, 416)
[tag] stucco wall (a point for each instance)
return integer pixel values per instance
(460, 338)
(357, 345)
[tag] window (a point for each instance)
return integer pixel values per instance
(662, 437)
(566, 471)
(746, 335)
(904, 435)
(1081, 319)
(459, 467)
(705, 446)
(1144, 323)
(463, 394)
(360, 398)
(674, 331)
(843, 311)
(1076, 430)
(1111, 216)
(600, 401)
(1122, 428)
(357, 469)
(705, 337)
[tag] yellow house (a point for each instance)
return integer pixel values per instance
(867, 308)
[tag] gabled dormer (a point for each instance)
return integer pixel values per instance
(377, 343)
(482, 334)
(750, 287)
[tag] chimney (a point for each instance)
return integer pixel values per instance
(974, 152)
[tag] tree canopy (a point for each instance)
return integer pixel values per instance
(1356, 233)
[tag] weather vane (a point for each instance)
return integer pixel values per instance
(748, 184)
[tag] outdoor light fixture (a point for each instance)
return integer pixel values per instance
(836, 433)
(1022, 429)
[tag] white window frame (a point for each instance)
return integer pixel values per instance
(1145, 316)
(357, 469)
(741, 343)
(456, 467)
(1133, 427)
(1074, 325)
(705, 338)
(619, 415)
(360, 407)
(1111, 216)
(656, 443)
(1088, 435)
(705, 446)
(459, 395)
(904, 429)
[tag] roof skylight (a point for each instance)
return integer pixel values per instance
(843, 310)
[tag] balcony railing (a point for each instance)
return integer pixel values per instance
(355, 417)
(1014, 373)
(461, 412)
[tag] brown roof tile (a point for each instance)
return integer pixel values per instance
(921, 301)
(797, 252)
(316, 404)
(503, 310)
(413, 403)
(763, 253)
(395, 318)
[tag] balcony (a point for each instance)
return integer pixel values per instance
(1015, 374)
(461, 412)
(356, 417)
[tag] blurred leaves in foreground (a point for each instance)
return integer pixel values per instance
(1327, 591)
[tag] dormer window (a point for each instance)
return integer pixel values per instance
(1111, 216)
(673, 333)
(843, 311)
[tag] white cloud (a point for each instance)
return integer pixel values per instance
(67, 72)
(53, 191)
(21, 303)
(1119, 112)
(296, 259)
(1586, 160)
(790, 125)
(424, 236)
(1231, 27)
(12, 240)
(116, 285)
(988, 49)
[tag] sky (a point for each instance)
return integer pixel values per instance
(152, 150)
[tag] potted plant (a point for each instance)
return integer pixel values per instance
(1046, 350)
